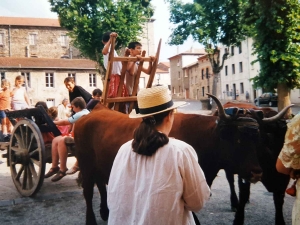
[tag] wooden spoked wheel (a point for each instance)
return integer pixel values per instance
(27, 157)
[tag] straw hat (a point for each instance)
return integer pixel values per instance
(154, 100)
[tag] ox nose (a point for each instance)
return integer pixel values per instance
(256, 176)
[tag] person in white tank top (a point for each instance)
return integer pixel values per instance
(19, 95)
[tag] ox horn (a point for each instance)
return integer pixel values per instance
(277, 116)
(222, 113)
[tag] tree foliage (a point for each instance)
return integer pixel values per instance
(207, 21)
(88, 20)
(276, 42)
(210, 22)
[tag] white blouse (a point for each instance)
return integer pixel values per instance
(160, 189)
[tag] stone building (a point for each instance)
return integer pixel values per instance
(162, 75)
(180, 83)
(34, 37)
(200, 78)
(41, 50)
(45, 77)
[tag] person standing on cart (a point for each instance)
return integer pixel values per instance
(115, 76)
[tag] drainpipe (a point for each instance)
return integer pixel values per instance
(27, 51)
(71, 52)
(9, 41)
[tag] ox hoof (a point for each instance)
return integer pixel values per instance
(104, 214)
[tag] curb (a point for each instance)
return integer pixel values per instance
(45, 197)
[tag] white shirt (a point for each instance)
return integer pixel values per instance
(160, 189)
(117, 65)
(19, 95)
(62, 112)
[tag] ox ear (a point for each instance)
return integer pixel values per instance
(259, 114)
(232, 111)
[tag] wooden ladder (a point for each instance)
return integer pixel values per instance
(125, 59)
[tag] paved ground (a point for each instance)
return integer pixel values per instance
(50, 190)
(62, 202)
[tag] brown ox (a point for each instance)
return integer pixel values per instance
(216, 139)
(272, 135)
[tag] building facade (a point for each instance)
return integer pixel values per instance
(41, 50)
(180, 83)
(235, 77)
(200, 78)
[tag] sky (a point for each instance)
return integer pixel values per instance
(41, 9)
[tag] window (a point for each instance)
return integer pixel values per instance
(49, 79)
(227, 89)
(241, 67)
(2, 75)
(1, 38)
(92, 78)
(202, 72)
(72, 75)
(233, 68)
(240, 48)
(203, 89)
(192, 80)
(206, 73)
(232, 50)
(63, 40)
(32, 39)
(179, 75)
(196, 81)
(27, 77)
(226, 70)
(242, 88)
(207, 89)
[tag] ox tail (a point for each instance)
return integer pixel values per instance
(79, 179)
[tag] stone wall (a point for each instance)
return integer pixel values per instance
(48, 42)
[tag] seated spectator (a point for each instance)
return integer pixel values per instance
(59, 148)
(63, 110)
(96, 97)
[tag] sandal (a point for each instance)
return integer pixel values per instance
(51, 172)
(60, 174)
(73, 170)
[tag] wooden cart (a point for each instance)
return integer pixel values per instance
(125, 59)
(26, 152)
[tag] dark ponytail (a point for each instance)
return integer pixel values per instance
(146, 138)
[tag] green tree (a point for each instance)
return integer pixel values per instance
(277, 45)
(210, 22)
(88, 20)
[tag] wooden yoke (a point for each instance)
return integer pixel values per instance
(105, 100)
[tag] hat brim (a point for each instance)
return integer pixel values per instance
(175, 105)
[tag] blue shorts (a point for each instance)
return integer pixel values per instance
(2, 115)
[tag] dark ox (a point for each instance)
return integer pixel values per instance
(217, 140)
(272, 132)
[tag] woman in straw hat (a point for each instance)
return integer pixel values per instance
(155, 179)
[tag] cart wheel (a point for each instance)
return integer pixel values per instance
(27, 157)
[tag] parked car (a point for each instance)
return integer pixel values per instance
(267, 98)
